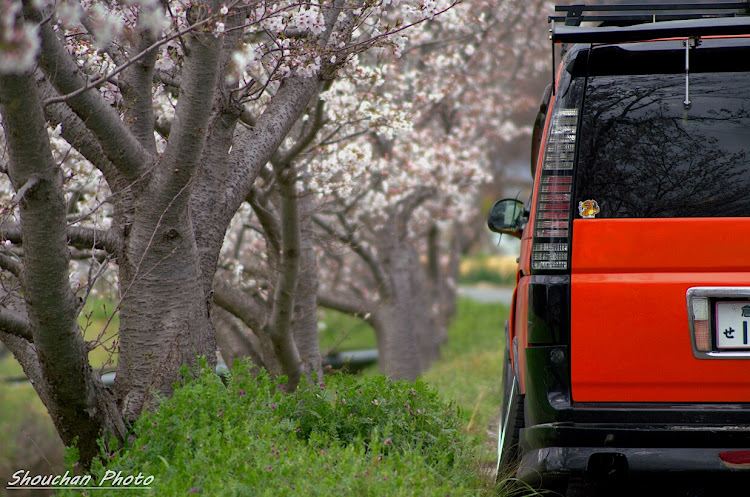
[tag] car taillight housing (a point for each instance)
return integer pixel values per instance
(701, 328)
(553, 203)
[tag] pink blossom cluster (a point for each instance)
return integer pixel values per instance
(310, 19)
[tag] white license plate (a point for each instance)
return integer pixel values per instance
(732, 322)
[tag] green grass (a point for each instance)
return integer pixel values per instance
(470, 367)
(469, 373)
(27, 438)
(338, 331)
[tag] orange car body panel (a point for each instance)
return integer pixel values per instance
(630, 338)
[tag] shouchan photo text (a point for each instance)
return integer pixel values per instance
(24, 480)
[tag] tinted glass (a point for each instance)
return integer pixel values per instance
(643, 154)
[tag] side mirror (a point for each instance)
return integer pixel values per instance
(506, 217)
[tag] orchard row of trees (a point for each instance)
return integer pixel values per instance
(230, 167)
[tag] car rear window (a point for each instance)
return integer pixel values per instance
(642, 153)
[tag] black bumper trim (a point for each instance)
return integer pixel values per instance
(558, 463)
(641, 436)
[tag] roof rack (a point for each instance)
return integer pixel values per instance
(638, 22)
(643, 22)
(648, 12)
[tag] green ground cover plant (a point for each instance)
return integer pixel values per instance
(345, 435)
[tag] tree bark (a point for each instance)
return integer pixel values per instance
(279, 324)
(165, 293)
(75, 397)
(394, 321)
(253, 315)
(305, 322)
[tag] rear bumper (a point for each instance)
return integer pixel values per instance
(557, 451)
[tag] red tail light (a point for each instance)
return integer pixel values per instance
(553, 205)
(737, 459)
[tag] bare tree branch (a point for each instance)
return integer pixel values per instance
(110, 49)
(30, 184)
(10, 264)
(349, 304)
(15, 324)
(139, 77)
(188, 132)
(408, 205)
(236, 302)
(76, 236)
(269, 220)
(120, 145)
(81, 237)
(75, 132)
(310, 133)
(234, 341)
(130, 61)
(255, 146)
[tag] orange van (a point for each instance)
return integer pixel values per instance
(627, 345)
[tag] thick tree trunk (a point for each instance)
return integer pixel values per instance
(398, 355)
(75, 397)
(394, 321)
(164, 322)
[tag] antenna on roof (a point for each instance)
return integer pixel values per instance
(643, 22)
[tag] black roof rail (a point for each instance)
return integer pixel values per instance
(575, 14)
(644, 21)
(724, 26)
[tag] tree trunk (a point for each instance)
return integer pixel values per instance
(398, 355)
(426, 317)
(394, 320)
(305, 323)
(442, 279)
(77, 401)
(164, 321)
(279, 323)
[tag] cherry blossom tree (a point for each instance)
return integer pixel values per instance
(134, 132)
(389, 174)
